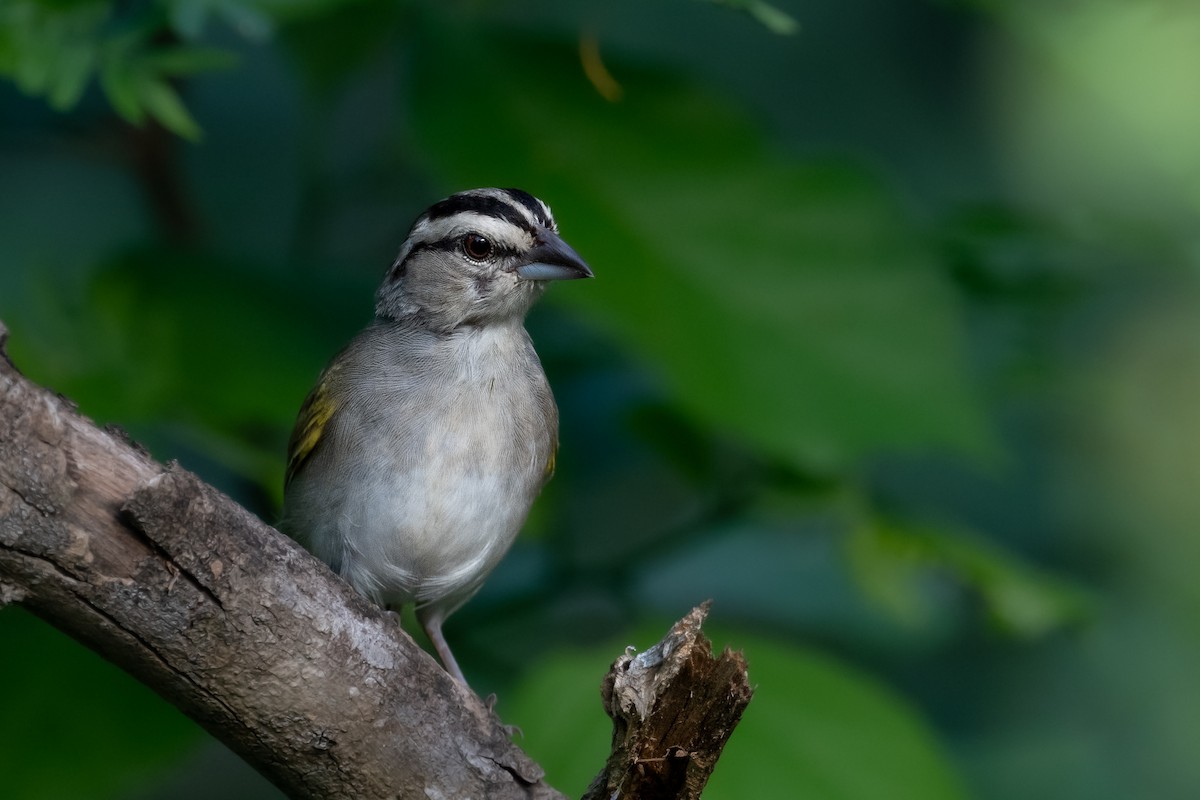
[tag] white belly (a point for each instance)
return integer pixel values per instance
(425, 534)
(434, 473)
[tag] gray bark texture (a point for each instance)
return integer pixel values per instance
(315, 687)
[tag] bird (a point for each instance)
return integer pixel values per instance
(415, 459)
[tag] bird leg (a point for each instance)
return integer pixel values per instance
(431, 621)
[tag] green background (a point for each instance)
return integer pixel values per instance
(893, 351)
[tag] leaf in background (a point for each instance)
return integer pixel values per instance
(135, 81)
(55, 49)
(328, 48)
(217, 353)
(789, 302)
(820, 728)
(188, 60)
(770, 17)
(557, 706)
(74, 725)
(162, 102)
(250, 19)
(50, 50)
(816, 728)
(890, 574)
(894, 561)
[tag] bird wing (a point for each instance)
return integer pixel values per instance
(319, 407)
(548, 472)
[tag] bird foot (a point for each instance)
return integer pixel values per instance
(513, 731)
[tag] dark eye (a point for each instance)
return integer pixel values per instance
(477, 246)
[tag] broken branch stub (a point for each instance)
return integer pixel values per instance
(673, 708)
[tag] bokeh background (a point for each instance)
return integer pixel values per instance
(893, 351)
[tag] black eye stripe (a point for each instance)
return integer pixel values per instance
(514, 206)
(498, 250)
(449, 244)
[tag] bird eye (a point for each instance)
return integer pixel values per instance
(477, 246)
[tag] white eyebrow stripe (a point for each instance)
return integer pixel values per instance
(507, 197)
(498, 230)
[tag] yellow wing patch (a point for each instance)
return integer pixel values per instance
(316, 412)
(550, 462)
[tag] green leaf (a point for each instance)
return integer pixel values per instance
(890, 573)
(169, 345)
(50, 50)
(790, 302)
(819, 728)
(330, 47)
(251, 20)
(769, 16)
(774, 19)
(136, 83)
(893, 561)
(74, 70)
(120, 77)
(109, 732)
(816, 728)
(163, 103)
(564, 736)
(188, 60)
(54, 51)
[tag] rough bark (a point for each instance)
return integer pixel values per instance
(244, 631)
(673, 708)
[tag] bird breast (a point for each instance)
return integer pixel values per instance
(456, 442)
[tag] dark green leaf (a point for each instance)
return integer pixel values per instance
(815, 728)
(163, 103)
(789, 302)
(330, 47)
(893, 560)
(188, 60)
(98, 718)
(120, 78)
(769, 16)
(818, 727)
(51, 51)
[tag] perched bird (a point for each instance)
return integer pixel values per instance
(416, 458)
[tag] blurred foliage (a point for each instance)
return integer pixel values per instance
(812, 725)
(892, 351)
(890, 559)
(87, 708)
(55, 48)
(838, 342)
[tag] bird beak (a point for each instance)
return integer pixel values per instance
(552, 259)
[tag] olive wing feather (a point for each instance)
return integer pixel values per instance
(318, 408)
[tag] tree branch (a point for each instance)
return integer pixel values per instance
(673, 708)
(245, 632)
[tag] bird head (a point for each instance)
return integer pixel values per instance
(477, 257)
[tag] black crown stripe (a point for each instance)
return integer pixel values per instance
(534, 206)
(480, 204)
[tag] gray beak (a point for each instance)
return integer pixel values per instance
(552, 259)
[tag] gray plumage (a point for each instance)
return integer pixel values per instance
(416, 458)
